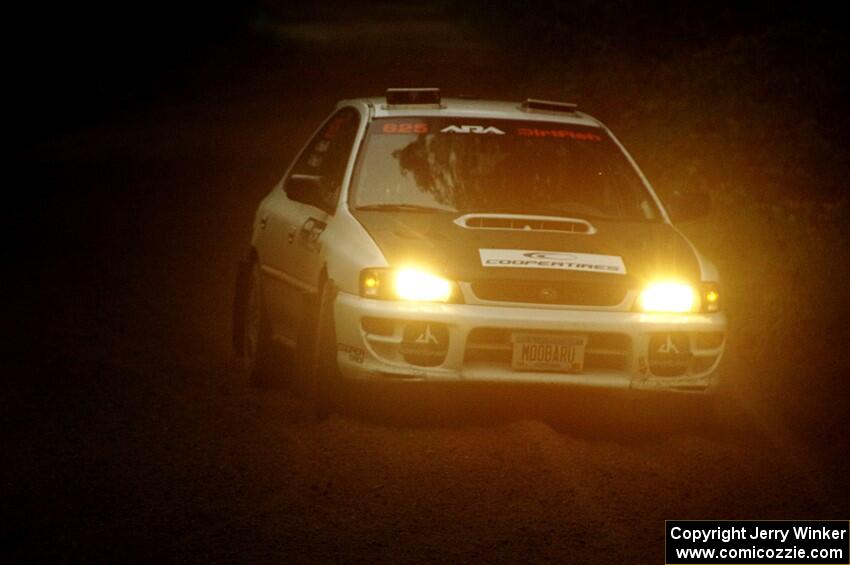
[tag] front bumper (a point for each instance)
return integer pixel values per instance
(371, 341)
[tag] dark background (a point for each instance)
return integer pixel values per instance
(143, 135)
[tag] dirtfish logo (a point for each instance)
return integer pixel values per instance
(427, 337)
(669, 347)
(472, 129)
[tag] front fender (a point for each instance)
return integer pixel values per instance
(348, 249)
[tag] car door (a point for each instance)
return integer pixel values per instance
(297, 215)
(281, 295)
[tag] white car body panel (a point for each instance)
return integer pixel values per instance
(344, 248)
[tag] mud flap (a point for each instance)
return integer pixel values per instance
(240, 298)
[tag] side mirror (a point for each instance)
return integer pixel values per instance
(686, 206)
(306, 189)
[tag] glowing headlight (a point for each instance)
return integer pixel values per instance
(668, 297)
(406, 284)
(411, 284)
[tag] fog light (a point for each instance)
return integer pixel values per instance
(669, 354)
(425, 344)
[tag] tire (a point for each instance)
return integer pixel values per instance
(322, 371)
(257, 335)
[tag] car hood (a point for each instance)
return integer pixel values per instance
(434, 241)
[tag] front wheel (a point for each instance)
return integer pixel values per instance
(323, 377)
(256, 336)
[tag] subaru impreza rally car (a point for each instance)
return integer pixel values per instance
(422, 238)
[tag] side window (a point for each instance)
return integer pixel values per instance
(327, 154)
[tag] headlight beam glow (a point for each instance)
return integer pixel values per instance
(420, 286)
(668, 296)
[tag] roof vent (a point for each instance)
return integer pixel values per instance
(549, 106)
(413, 96)
(525, 223)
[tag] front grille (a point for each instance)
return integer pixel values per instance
(604, 351)
(554, 292)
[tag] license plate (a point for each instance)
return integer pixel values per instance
(541, 352)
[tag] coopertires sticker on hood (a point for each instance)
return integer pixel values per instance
(561, 260)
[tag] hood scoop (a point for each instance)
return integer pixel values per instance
(522, 222)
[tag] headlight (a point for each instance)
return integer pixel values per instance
(668, 297)
(673, 296)
(407, 284)
(411, 284)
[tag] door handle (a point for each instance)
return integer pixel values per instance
(263, 222)
(291, 237)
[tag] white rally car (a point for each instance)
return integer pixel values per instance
(422, 238)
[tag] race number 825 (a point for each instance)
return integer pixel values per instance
(405, 127)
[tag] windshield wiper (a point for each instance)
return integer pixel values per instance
(400, 208)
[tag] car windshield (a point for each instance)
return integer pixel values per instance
(508, 166)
